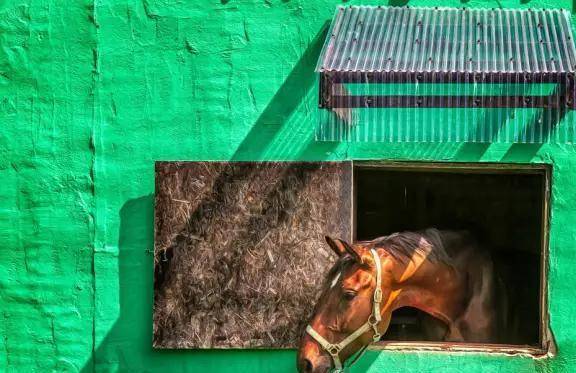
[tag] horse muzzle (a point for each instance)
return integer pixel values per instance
(319, 364)
(311, 359)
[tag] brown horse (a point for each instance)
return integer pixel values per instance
(441, 273)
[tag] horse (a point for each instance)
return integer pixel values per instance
(444, 274)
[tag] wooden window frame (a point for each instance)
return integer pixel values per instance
(546, 345)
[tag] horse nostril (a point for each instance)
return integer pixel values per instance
(308, 367)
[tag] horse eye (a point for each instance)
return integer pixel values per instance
(349, 294)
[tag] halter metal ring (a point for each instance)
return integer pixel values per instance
(333, 350)
(372, 320)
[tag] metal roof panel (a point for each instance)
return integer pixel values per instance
(420, 39)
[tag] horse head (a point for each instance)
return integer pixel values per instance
(348, 315)
(371, 279)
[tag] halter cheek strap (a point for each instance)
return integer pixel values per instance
(372, 323)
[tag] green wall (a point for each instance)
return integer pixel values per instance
(93, 92)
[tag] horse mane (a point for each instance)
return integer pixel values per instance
(403, 245)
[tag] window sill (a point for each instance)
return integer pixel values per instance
(511, 350)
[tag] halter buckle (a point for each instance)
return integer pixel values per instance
(376, 337)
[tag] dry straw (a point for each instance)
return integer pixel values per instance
(239, 250)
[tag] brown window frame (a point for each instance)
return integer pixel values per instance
(546, 345)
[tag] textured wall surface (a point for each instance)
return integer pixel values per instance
(93, 92)
(47, 208)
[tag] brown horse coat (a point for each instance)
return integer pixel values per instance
(442, 273)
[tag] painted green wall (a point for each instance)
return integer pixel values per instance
(93, 92)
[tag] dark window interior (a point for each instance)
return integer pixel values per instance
(503, 210)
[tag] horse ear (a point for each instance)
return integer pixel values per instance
(341, 248)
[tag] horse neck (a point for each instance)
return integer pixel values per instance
(435, 288)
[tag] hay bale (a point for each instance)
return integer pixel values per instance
(239, 249)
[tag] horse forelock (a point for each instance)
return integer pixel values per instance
(341, 265)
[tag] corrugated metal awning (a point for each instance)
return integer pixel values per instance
(382, 39)
(488, 75)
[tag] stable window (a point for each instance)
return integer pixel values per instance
(504, 206)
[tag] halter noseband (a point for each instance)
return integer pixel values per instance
(372, 323)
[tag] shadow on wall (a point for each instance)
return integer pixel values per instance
(293, 96)
(128, 345)
(550, 119)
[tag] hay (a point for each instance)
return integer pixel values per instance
(239, 250)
